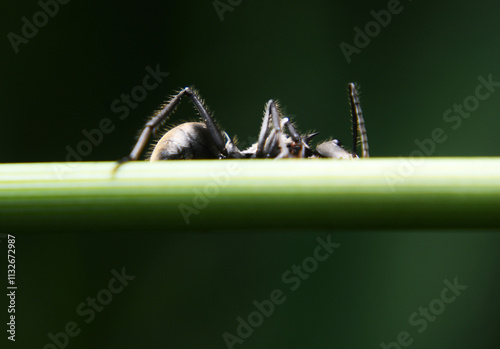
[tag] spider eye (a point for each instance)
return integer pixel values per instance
(337, 142)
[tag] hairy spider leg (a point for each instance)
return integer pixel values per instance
(270, 139)
(276, 115)
(164, 113)
(264, 131)
(271, 143)
(297, 139)
(358, 123)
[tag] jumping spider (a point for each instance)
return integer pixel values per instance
(280, 139)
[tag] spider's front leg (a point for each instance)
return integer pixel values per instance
(334, 149)
(358, 123)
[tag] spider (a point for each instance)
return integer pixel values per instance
(278, 137)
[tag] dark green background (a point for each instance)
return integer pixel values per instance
(190, 288)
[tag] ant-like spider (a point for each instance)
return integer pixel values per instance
(204, 140)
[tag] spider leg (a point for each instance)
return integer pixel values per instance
(292, 130)
(298, 142)
(231, 149)
(275, 113)
(271, 140)
(358, 123)
(271, 144)
(165, 112)
(264, 131)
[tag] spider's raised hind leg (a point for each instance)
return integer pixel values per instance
(358, 123)
(165, 112)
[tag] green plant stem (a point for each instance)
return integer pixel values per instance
(378, 193)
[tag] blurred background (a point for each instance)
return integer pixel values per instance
(67, 76)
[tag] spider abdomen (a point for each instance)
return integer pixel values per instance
(190, 140)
